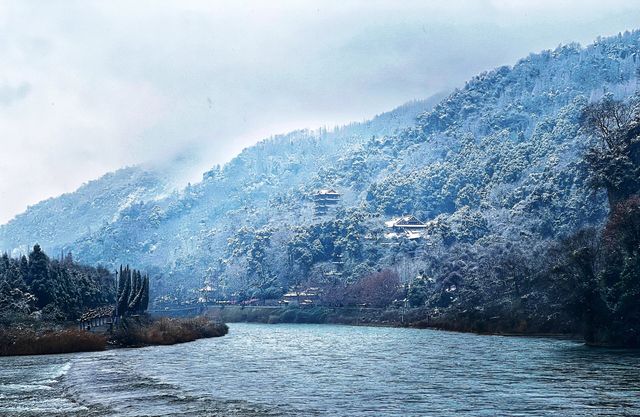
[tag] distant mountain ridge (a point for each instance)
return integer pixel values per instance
(62, 220)
(496, 160)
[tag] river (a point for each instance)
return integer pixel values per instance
(318, 370)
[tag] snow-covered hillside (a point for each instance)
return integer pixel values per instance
(496, 160)
(56, 222)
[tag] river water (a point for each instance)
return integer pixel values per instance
(318, 370)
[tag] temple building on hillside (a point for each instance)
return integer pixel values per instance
(324, 200)
(408, 226)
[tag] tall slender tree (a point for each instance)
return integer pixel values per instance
(39, 277)
(145, 294)
(124, 291)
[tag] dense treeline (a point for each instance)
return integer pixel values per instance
(603, 267)
(533, 279)
(57, 289)
(587, 282)
(523, 176)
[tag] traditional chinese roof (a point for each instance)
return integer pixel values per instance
(96, 313)
(327, 192)
(406, 222)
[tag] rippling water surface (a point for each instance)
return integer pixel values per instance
(309, 370)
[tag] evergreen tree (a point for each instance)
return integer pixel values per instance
(145, 294)
(24, 268)
(120, 291)
(140, 301)
(39, 277)
(4, 262)
(124, 292)
(60, 287)
(135, 289)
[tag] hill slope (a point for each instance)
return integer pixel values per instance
(59, 221)
(495, 164)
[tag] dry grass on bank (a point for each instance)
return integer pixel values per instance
(134, 331)
(30, 342)
(168, 331)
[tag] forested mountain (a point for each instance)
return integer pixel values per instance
(57, 222)
(497, 170)
(115, 204)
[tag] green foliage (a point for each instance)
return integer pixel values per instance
(419, 290)
(60, 288)
(42, 281)
(133, 292)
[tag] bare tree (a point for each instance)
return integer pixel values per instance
(615, 162)
(610, 119)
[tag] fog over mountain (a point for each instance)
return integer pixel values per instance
(88, 88)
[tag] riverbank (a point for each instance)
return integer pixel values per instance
(146, 331)
(54, 338)
(392, 317)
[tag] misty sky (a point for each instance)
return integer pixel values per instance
(88, 87)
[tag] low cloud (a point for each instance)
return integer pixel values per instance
(10, 94)
(87, 87)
